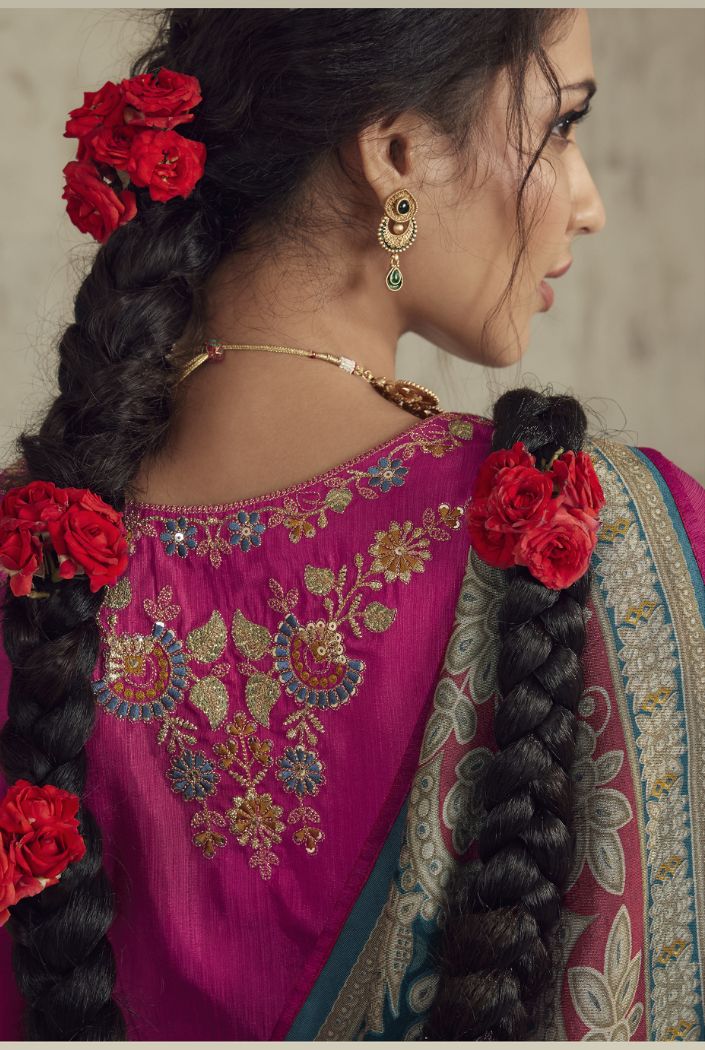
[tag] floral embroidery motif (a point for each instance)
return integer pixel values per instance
(600, 811)
(303, 651)
(197, 532)
(399, 552)
(307, 663)
(156, 658)
(301, 771)
(246, 531)
(604, 1000)
(193, 776)
(388, 472)
(179, 537)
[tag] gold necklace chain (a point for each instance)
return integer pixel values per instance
(415, 398)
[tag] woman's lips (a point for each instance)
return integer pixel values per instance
(546, 290)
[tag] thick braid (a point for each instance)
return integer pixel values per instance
(113, 407)
(495, 954)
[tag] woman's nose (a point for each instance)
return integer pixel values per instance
(589, 212)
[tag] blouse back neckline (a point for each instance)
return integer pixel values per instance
(137, 507)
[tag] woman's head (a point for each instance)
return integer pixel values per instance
(311, 122)
(294, 102)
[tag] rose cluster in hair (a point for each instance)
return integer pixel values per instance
(127, 129)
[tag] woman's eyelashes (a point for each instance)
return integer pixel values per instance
(569, 120)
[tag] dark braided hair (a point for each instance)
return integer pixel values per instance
(282, 90)
(497, 951)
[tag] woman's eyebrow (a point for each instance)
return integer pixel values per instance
(588, 85)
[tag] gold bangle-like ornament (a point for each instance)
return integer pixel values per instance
(397, 232)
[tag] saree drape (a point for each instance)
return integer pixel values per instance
(632, 934)
(294, 704)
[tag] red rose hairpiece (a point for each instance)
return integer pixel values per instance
(61, 531)
(39, 838)
(126, 138)
(546, 520)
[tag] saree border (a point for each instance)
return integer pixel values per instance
(644, 553)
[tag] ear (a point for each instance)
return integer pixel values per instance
(388, 154)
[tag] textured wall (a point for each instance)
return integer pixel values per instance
(627, 330)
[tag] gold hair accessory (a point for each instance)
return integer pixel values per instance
(397, 232)
(416, 399)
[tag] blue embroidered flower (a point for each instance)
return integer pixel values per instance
(247, 531)
(192, 775)
(301, 771)
(387, 473)
(179, 537)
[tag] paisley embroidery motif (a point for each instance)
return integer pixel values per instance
(299, 670)
(205, 532)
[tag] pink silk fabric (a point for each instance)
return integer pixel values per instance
(344, 587)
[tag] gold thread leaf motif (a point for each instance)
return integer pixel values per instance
(261, 693)
(119, 595)
(318, 581)
(338, 499)
(210, 696)
(161, 609)
(461, 428)
(207, 642)
(378, 617)
(251, 639)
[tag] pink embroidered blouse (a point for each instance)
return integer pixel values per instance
(266, 673)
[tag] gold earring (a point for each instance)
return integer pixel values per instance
(397, 232)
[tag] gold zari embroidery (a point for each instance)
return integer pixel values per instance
(307, 662)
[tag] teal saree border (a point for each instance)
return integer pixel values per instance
(353, 936)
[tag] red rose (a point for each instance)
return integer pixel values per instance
(522, 497)
(26, 805)
(557, 552)
(92, 205)
(90, 537)
(516, 456)
(161, 99)
(104, 106)
(494, 545)
(8, 894)
(109, 144)
(578, 483)
(21, 554)
(44, 853)
(36, 502)
(39, 832)
(166, 162)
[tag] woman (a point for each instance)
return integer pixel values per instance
(340, 773)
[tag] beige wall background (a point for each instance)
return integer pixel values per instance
(626, 333)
